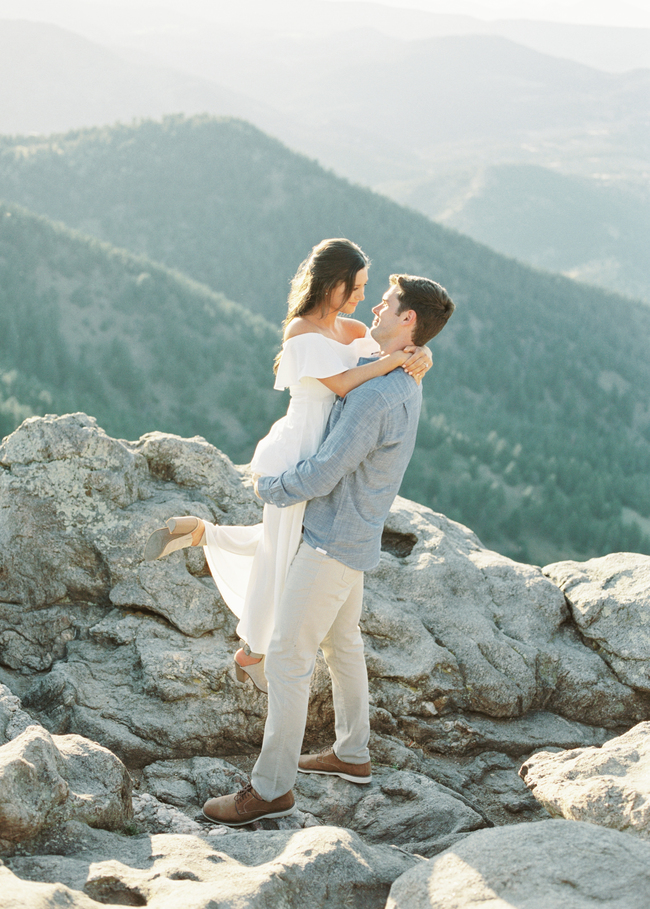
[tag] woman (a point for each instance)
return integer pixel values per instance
(317, 362)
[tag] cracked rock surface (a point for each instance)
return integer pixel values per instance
(609, 600)
(609, 786)
(466, 650)
(264, 869)
(475, 663)
(553, 864)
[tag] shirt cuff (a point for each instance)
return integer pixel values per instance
(269, 495)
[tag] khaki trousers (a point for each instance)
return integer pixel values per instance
(320, 607)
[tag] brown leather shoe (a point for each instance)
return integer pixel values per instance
(327, 763)
(246, 806)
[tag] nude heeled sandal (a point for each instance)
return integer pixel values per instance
(254, 672)
(178, 534)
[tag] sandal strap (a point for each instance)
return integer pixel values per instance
(250, 652)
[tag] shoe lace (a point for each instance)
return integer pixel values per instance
(243, 793)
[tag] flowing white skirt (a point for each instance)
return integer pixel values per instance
(250, 564)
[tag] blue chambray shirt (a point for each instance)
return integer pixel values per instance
(352, 480)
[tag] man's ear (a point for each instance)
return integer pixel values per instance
(408, 317)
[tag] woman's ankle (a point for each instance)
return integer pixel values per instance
(246, 659)
(198, 534)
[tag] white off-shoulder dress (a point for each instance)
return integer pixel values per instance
(250, 564)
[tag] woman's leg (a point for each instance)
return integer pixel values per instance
(280, 538)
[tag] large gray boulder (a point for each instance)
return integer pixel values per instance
(45, 780)
(321, 867)
(552, 864)
(453, 628)
(609, 786)
(466, 650)
(610, 604)
(77, 507)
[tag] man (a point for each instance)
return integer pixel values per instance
(349, 485)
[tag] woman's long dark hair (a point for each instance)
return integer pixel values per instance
(329, 264)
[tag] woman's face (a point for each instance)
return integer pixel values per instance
(338, 301)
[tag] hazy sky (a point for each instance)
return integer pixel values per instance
(594, 12)
(635, 13)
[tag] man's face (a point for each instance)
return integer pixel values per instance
(387, 323)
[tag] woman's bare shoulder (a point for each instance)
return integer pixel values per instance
(355, 328)
(299, 326)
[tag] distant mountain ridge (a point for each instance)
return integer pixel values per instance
(450, 103)
(536, 426)
(610, 48)
(57, 80)
(591, 232)
(441, 97)
(447, 101)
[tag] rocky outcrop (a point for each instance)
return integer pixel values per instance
(45, 780)
(555, 864)
(609, 600)
(321, 867)
(454, 630)
(474, 662)
(609, 786)
(466, 650)
(399, 807)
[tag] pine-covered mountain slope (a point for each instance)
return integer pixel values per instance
(583, 228)
(536, 429)
(216, 199)
(85, 326)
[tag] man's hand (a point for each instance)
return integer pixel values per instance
(256, 477)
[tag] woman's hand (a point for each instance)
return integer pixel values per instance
(418, 363)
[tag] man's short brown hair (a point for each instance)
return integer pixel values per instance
(429, 301)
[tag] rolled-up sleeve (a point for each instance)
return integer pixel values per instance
(358, 431)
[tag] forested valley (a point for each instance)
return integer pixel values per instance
(536, 426)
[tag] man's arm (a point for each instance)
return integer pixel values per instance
(357, 432)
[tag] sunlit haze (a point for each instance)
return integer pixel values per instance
(588, 12)
(80, 14)
(629, 13)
